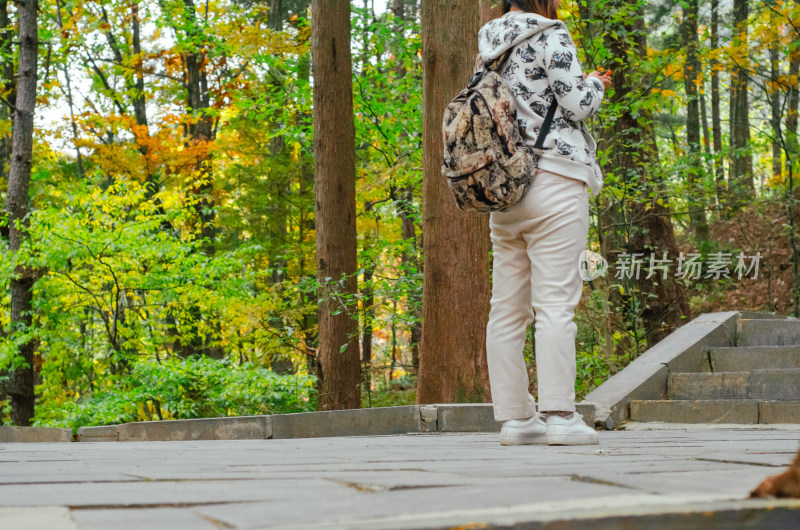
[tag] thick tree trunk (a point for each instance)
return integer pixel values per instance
(691, 72)
(21, 387)
(716, 125)
(741, 187)
(456, 245)
(334, 150)
(630, 143)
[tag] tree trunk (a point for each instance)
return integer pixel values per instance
(139, 102)
(791, 110)
(399, 12)
(696, 197)
(140, 109)
(339, 371)
(741, 185)
(67, 90)
(630, 143)
(716, 126)
(199, 132)
(456, 284)
(21, 388)
(410, 264)
(275, 15)
(305, 222)
(774, 98)
(404, 199)
(368, 300)
(6, 113)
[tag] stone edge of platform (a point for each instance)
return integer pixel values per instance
(408, 419)
(12, 434)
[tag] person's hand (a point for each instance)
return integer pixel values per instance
(604, 78)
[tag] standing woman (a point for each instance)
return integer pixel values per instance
(537, 242)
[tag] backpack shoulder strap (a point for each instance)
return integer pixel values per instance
(479, 66)
(497, 63)
(548, 122)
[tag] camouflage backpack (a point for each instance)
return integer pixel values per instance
(487, 164)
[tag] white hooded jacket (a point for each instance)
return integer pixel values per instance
(543, 65)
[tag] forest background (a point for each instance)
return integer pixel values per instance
(160, 236)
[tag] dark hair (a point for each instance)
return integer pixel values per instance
(545, 8)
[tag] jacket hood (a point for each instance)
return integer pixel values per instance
(501, 34)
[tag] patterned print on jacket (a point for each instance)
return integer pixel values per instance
(543, 64)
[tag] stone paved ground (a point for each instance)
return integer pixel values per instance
(411, 481)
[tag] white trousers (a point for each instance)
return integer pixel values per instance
(536, 243)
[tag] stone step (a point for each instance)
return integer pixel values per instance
(715, 411)
(775, 385)
(745, 359)
(769, 332)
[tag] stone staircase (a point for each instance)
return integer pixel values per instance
(755, 381)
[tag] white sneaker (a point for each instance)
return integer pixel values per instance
(523, 432)
(570, 431)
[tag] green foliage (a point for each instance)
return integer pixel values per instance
(176, 388)
(592, 371)
(393, 397)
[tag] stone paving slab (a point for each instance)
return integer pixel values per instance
(396, 481)
(175, 518)
(49, 517)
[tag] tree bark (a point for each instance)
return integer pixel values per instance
(410, 264)
(201, 131)
(404, 199)
(456, 246)
(792, 110)
(716, 126)
(691, 72)
(774, 98)
(7, 72)
(368, 300)
(275, 15)
(21, 388)
(741, 187)
(339, 373)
